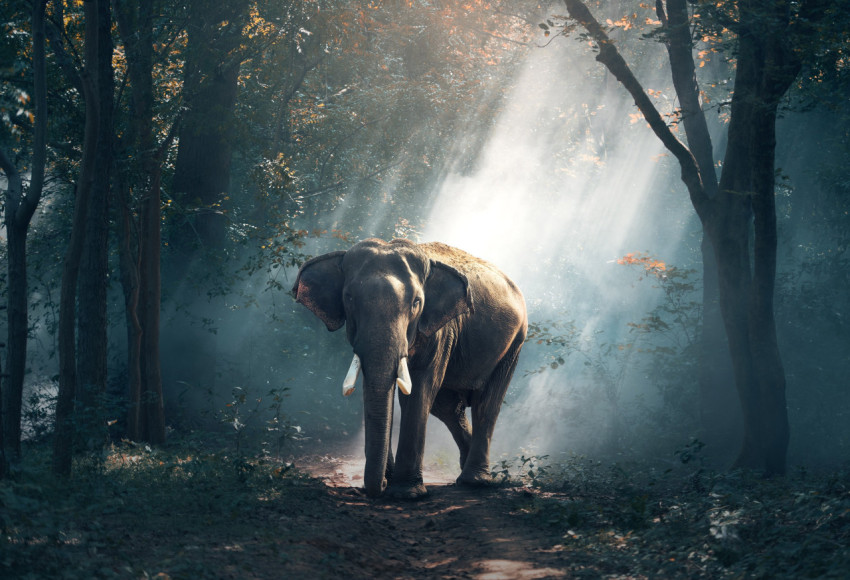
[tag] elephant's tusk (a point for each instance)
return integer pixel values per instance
(351, 377)
(403, 380)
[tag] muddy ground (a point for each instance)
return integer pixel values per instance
(455, 532)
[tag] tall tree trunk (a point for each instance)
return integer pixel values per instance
(720, 414)
(140, 262)
(20, 208)
(152, 427)
(716, 383)
(18, 332)
(128, 256)
(765, 69)
(93, 279)
(211, 75)
(3, 460)
(202, 177)
(64, 431)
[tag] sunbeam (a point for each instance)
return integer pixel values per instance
(562, 189)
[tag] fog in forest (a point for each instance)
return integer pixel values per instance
(567, 182)
(558, 181)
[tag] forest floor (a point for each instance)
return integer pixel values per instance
(182, 513)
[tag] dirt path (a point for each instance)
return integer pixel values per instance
(453, 533)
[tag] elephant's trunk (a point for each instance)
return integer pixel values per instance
(380, 349)
(378, 415)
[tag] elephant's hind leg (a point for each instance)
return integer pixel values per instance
(450, 408)
(486, 404)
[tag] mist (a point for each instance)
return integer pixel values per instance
(565, 184)
(563, 181)
(552, 175)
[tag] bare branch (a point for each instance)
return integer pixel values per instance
(614, 62)
(680, 50)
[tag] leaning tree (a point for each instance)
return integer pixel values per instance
(737, 211)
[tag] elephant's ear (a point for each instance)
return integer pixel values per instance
(319, 288)
(447, 296)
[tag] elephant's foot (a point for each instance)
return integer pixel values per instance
(477, 478)
(401, 491)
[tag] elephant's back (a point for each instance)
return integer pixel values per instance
(493, 291)
(486, 335)
(465, 263)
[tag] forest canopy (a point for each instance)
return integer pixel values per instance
(665, 181)
(168, 165)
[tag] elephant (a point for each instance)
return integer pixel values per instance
(445, 327)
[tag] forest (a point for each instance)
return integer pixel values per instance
(664, 181)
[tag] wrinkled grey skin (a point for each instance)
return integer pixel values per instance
(459, 320)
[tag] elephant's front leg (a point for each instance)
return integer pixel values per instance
(407, 480)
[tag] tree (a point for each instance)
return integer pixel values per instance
(768, 61)
(93, 279)
(20, 207)
(140, 255)
(211, 74)
(64, 431)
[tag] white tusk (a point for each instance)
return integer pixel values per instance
(403, 380)
(351, 377)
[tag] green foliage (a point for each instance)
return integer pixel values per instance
(660, 525)
(259, 418)
(525, 470)
(78, 528)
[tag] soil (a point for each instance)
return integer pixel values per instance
(179, 515)
(454, 532)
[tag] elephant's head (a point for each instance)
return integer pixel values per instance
(385, 294)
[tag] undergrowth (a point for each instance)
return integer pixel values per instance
(186, 511)
(95, 524)
(689, 522)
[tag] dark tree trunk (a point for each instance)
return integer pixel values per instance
(11, 399)
(93, 280)
(211, 74)
(19, 210)
(140, 259)
(64, 431)
(720, 414)
(202, 179)
(18, 333)
(128, 261)
(765, 69)
(152, 415)
(719, 425)
(3, 460)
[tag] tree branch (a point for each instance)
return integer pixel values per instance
(342, 183)
(29, 202)
(14, 186)
(683, 70)
(54, 34)
(614, 62)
